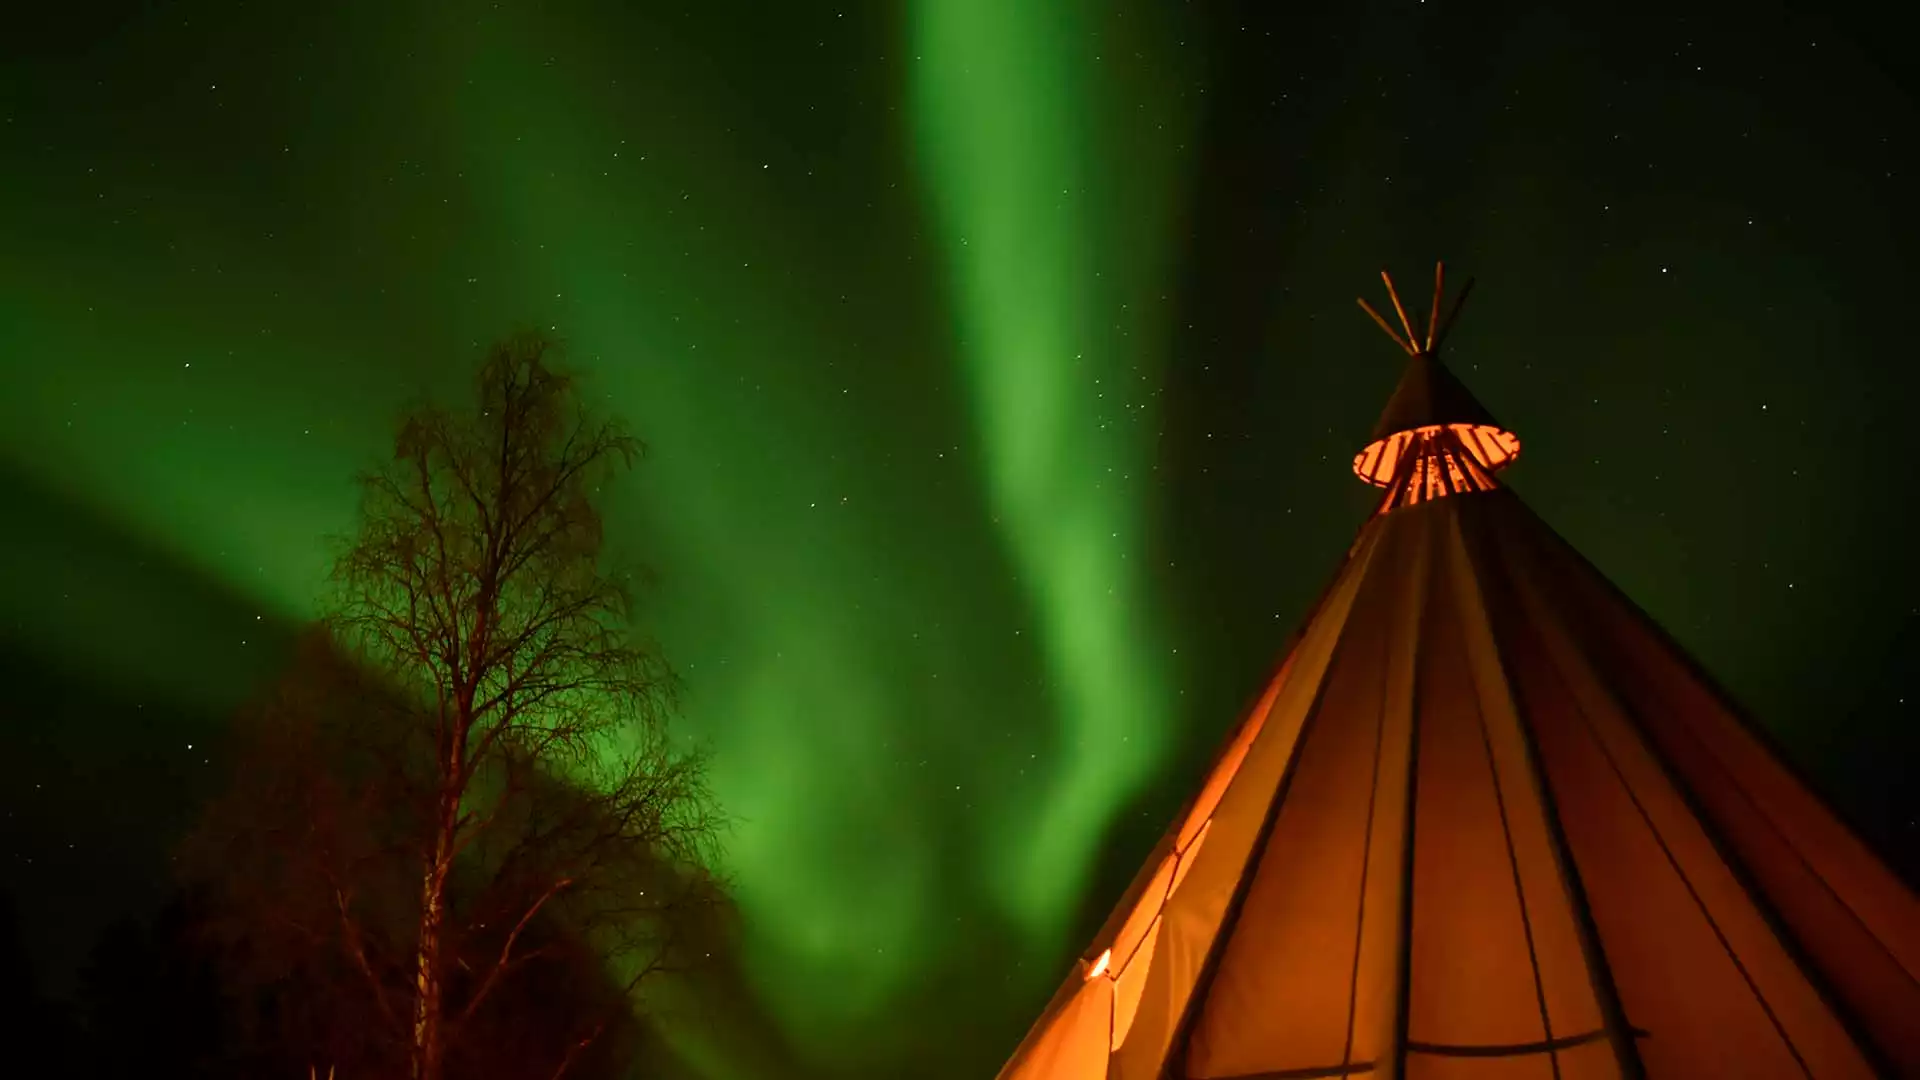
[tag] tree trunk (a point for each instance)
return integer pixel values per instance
(427, 1050)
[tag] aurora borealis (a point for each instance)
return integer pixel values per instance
(999, 367)
(1013, 140)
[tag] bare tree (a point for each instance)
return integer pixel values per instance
(468, 775)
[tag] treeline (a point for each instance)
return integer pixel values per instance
(155, 999)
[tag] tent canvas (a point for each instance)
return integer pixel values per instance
(1489, 820)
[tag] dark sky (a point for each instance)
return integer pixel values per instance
(1002, 374)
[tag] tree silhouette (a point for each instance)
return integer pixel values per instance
(464, 787)
(150, 999)
(35, 1029)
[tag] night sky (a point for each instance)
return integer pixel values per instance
(1001, 373)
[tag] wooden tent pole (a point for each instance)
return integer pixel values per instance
(1453, 315)
(1384, 325)
(1394, 295)
(1433, 313)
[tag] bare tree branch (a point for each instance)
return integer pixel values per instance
(482, 784)
(350, 934)
(506, 949)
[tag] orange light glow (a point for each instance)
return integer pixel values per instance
(1100, 966)
(1489, 447)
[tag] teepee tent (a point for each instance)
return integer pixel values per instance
(1487, 820)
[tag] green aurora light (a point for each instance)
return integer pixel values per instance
(1060, 359)
(978, 376)
(903, 750)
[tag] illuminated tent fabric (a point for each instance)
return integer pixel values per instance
(1489, 821)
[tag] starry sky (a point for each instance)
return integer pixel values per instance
(1001, 373)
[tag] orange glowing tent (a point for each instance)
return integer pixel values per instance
(1488, 820)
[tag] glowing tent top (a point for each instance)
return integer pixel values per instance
(1488, 820)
